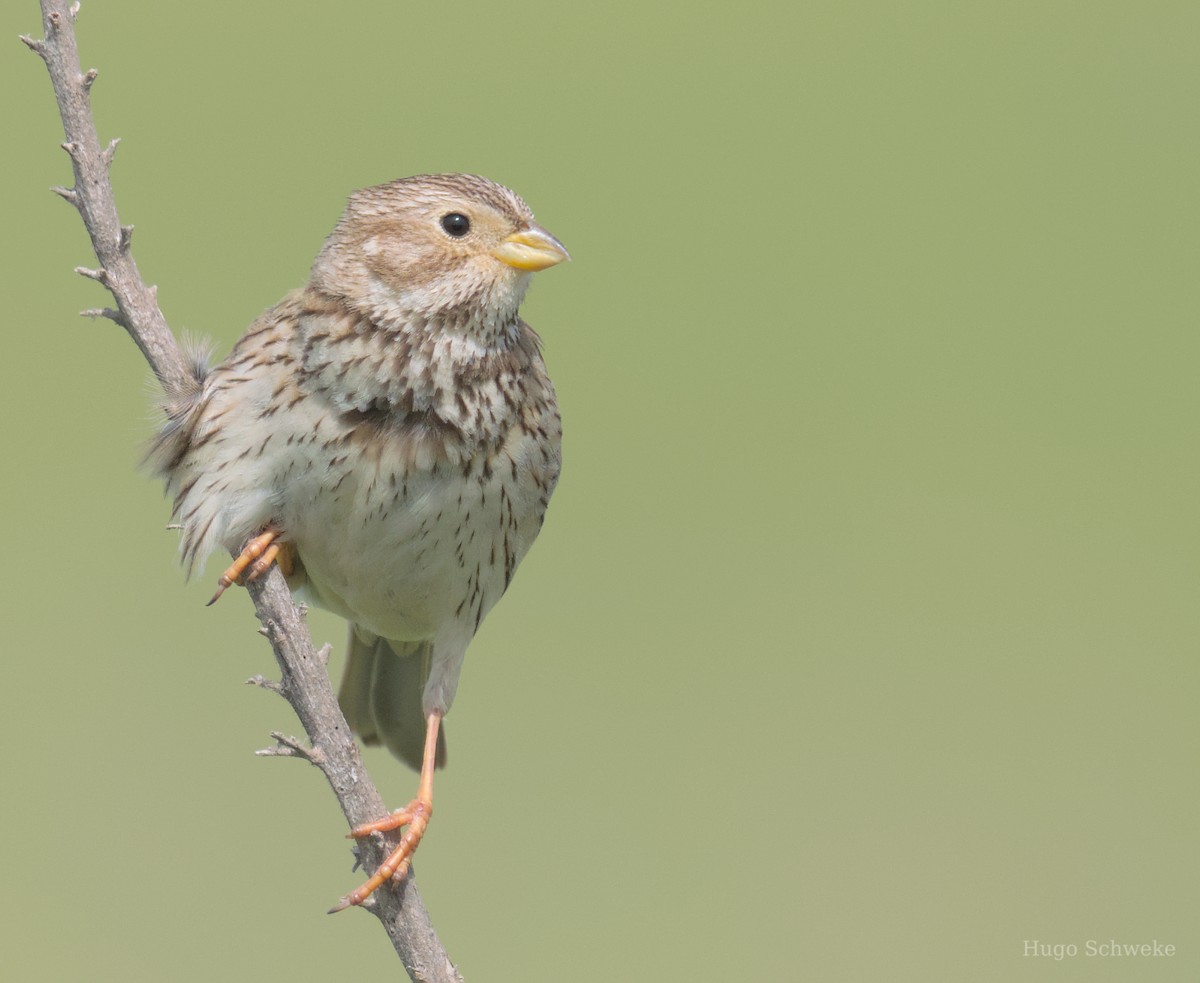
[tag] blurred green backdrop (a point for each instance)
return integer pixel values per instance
(860, 641)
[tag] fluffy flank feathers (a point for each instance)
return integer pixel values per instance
(181, 406)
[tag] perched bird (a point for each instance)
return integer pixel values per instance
(389, 435)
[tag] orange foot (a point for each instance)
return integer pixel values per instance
(415, 816)
(258, 555)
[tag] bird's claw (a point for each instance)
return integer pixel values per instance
(414, 816)
(255, 560)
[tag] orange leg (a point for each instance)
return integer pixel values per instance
(259, 554)
(415, 816)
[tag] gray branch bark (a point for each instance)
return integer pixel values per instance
(305, 681)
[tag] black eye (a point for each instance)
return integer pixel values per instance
(456, 224)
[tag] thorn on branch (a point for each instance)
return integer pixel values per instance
(324, 652)
(100, 276)
(74, 11)
(88, 78)
(67, 194)
(70, 147)
(107, 312)
(126, 235)
(109, 151)
(38, 47)
(291, 747)
(263, 683)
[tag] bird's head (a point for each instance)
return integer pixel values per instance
(451, 250)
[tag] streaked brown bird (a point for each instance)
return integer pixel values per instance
(389, 435)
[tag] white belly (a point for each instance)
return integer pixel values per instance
(405, 553)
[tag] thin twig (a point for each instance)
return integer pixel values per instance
(305, 681)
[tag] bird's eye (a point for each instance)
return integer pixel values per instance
(456, 224)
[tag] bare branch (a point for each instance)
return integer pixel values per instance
(94, 195)
(305, 681)
(306, 686)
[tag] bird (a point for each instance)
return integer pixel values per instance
(389, 436)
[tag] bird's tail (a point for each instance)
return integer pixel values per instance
(381, 694)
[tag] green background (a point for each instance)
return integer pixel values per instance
(860, 640)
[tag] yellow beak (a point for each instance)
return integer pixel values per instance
(531, 249)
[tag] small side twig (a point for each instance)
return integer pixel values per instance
(292, 747)
(107, 312)
(263, 683)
